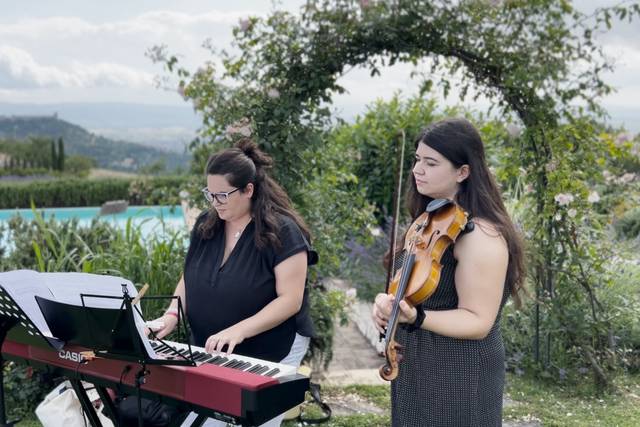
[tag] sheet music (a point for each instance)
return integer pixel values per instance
(67, 287)
(24, 285)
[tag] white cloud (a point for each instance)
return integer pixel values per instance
(626, 60)
(90, 54)
(18, 68)
(73, 51)
(56, 26)
(150, 24)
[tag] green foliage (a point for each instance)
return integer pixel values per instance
(333, 203)
(60, 155)
(28, 172)
(63, 192)
(79, 166)
(628, 226)
(325, 307)
(62, 246)
(621, 302)
(24, 388)
(53, 153)
(363, 265)
(28, 154)
(572, 405)
(156, 168)
(86, 192)
(157, 260)
(376, 138)
(161, 190)
(52, 245)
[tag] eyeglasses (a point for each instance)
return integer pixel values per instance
(222, 197)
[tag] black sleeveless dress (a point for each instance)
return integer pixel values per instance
(448, 381)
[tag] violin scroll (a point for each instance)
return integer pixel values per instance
(393, 354)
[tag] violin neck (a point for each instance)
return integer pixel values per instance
(392, 325)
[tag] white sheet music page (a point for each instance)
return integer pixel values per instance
(23, 286)
(67, 287)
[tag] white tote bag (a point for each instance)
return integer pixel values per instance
(61, 408)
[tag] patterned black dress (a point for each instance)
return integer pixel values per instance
(448, 381)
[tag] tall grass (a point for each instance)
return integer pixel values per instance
(100, 248)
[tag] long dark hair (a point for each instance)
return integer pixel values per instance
(459, 141)
(243, 164)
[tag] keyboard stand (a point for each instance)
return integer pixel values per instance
(111, 334)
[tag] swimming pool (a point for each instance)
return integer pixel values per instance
(151, 219)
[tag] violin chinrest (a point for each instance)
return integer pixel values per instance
(436, 204)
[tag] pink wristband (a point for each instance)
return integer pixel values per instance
(171, 313)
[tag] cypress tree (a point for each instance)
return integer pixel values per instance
(60, 154)
(53, 161)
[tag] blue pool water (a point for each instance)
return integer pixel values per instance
(150, 219)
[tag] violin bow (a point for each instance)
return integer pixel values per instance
(396, 211)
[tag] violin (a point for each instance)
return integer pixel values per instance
(425, 243)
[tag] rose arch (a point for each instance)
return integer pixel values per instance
(536, 60)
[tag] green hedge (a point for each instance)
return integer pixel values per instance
(84, 192)
(628, 227)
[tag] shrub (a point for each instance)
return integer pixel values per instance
(325, 307)
(628, 226)
(363, 265)
(79, 165)
(84, 192)
(24, 388)
(376, 138)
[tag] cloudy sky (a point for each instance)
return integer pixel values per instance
(79, 51)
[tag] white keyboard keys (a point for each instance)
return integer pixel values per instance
(233, 361)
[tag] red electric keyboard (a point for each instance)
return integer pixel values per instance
(233, 388)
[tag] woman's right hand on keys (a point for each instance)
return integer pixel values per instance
(162, 326)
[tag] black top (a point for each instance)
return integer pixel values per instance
(218, 297)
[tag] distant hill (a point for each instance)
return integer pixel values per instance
(168, 127)
(108, 153)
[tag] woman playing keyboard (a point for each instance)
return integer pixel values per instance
(243, 286)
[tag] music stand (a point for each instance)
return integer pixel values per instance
(109, 332)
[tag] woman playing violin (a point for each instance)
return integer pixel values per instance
(452, 371)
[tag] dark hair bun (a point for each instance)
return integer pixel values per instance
(251, 150)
